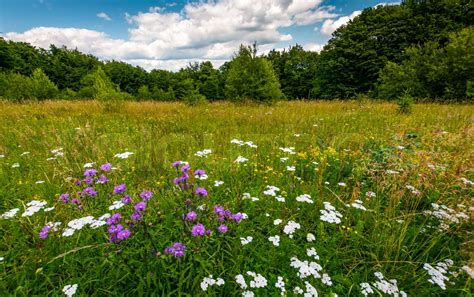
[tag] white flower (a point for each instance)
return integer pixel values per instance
(201, 177)
(468, 270)
(218, 183)
(246, 240)
(246, 196)
(210, 281)
(370, 194)
(326, 279)
(280, 284)
(239, 279)
(298, 290)
(358, 204)
(89, 165)
(10, 214)
(1, 259)
(33, 207)
(311, 252)
(310, 290)
(271, 191)
(203, 153)
(48, 209)
(258, 280)
(40, 182)
(341, 184)
(284, 159)
(241, 159)
(304, 198)
(467, 182)
(25, 153)
(366, 289)
(68, 232)
(386, 286)
(277, 222)
(310, 237)
(123, 155)
(438, 273)
(70, 290)
(290, 168)
(250, 144)
(275, 240)
(290, 228)
(116, 205)
(330, 214)
(280, 198)
(289, 150)
(248, 294)
(15, 165)
(297, 135)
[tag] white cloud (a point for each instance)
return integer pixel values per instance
(104, 16)
(329, 26)
(314, 47)
(209, 30)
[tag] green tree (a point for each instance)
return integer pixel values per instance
(144, 93)
(129, 78)
(251, 78)
(42, 87)
(98, 86)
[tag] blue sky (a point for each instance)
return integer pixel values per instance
(170, 34)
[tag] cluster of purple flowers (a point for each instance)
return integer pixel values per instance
(117, 232)
(177, 249)
(225, 214)
(44, 232)
(182, 180)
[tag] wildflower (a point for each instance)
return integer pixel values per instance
(284, 159)
(203, 153)
(366, 289)
(246, 240)
(438, 272)
(358, 204)
(123, 234)
(280, 284)
(277, 222)
(177, 249)
(89, 165)
(10, 214)
(126, 199)
(199, 172)
(304, 198)
(191, 216)
(326, 279)
(64, 197)
(258, 280)
(388, 287)
(116, 205)
(290, 168)
(146, 195)
(311, 252)
(40, 182)
(15, 165)
(114, 219)
(185, 168)
(237, 217)
(289, 150)
(124, 155)
(119, 189)
(218, 183)
(240, 280)
(201, 192)
(44, 232)
(310, 237)
(70, 290)
(222, 228)
(290, 228)
(136, 216)
(198, 230)
(275, 240)
(330, 214)
(241, 159)
(247, 196)
(210, 281)
(90, 172)
(370, 194)
(310, 290)
(342, 184)
(33, 207)
(280, 198)
(102, 179)
(271, 191)
(106, 167)
(140, 206)
(88, 181)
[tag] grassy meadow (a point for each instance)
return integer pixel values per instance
(347, 198)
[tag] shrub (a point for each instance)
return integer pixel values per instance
(194, 98)
(42, 87)
(405, 103)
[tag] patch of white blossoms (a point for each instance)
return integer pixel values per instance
(78, 224)
(445, 215)
(247, 196)
(387, 286)
(258, 281)
(275, 240)
(246, 240)
(242, 143)
(70, 290)
(33, 207)
(304, 198)
(123, 155)
(203, 153)
(280, 284)
(290, 228)
(241, 159)
(10, 214)
(438, 273)
(330, 214)
(358, 204)
(289, 150)
(116, 205)
(271, 191)
(211, 281)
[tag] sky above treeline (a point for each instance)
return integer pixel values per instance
(171, 34)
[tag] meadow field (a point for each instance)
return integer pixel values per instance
(298, 198)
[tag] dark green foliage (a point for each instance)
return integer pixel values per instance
(432, 71)
(42, 87)
(251, 78)
(126, 76)
(405, 103)
(295, 69)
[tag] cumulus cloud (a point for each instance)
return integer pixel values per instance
(104, 16)
(314, 47)
(209, 30)
(329, 26)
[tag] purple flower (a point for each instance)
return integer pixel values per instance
(103, 179)
(119, 189)
(201, 192)
(222, 228)
(126, 199)
(90, 172)
(185, 168)
(114, 229)
(44, 232)
(191, 216)
(88, 181)
(89, 191)
(140, 206)
(219, 209)
(198, 230)
(177, 249)
(176, 164)
(114, 219)
(121, 235)
(75, 201)
(78, 182)
(105, 167)
(64, 197)
(199, 172)
(146, 195)
(237, 217)
(136, 216)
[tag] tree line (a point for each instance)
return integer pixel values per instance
(424, 48)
